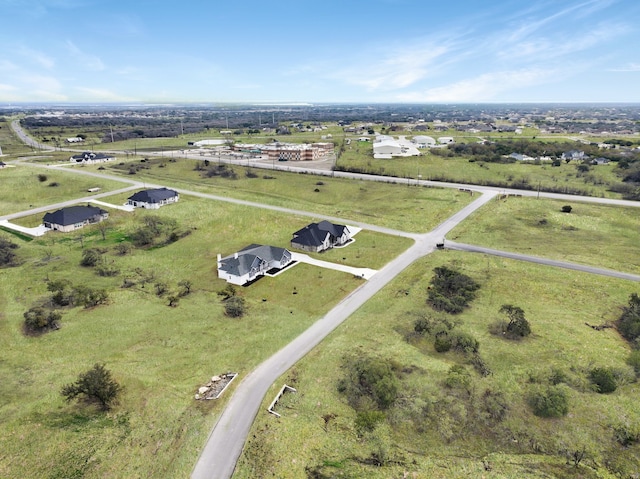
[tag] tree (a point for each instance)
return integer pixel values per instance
(235, 307)
(95, 385)
(8, 256)
(518, 326)
(450, 290)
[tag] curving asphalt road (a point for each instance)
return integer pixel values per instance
(224, 446)
(225, 443)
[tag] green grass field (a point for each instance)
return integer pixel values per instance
(162, 354)
(451, 445)
(416, 209)
(596, 235)
(563, 179)
(159, 354)
(24, 189)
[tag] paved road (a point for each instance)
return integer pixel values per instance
(224, 446)
(536, 259)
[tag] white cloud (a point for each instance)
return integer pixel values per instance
(37, 57)
(101, 94)
(396, 69)
(89, 61)
(485, 87)
(629, 67)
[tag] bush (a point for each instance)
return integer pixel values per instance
(603, 379)
(8, 256)
(451, 291)
(369, 380)
(42, 178)
(629, 322)
(634, 361)
(39, 320)
(566, 209)
(235, 307)
(95, 385)
(366, 421)
(552, 402)
(90, 257)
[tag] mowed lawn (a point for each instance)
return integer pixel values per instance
(159, 354)
(424, 433)
(408, 208)
(596, 235)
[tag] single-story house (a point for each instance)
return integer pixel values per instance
(445, 140)
(74, 217)
(573, 155)
(599, 161)
(252, 262)
(76, 139)
(153, 199)
(317, 237)
(89, 157)
(521, 157)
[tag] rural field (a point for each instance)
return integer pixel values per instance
(409, 208)
(453, 422)
(160, 354)
(596, 235)
(454, 414)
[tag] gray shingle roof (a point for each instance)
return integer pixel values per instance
(153, 196)
(72, 215)
(314, 234)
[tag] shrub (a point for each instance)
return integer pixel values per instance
(442, 344)
(39, 320)
(367, 420)
(464, 342)
(603, 379)
(90, 257)
(95, 385)
(62, 293)
(235, 307)
(566, 209)
(634, 361)
(450, 290)
(629, 322)
(42, 178)
(458, 378)
(8, 256)
(552, 402)
(369, 379)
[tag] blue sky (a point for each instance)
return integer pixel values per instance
(453, 51)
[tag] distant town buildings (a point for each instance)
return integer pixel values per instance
(289, 151)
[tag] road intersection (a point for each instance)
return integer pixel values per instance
(227, 439)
